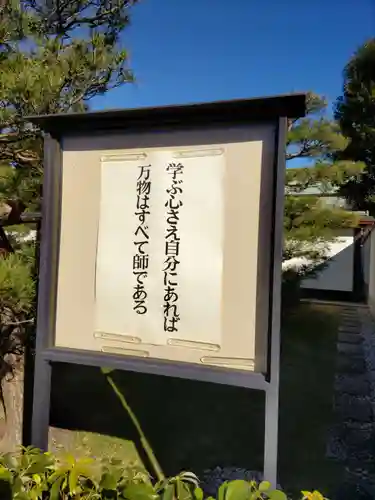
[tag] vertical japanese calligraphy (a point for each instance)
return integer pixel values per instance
(161, 214)
(141, 241)
(172, 247)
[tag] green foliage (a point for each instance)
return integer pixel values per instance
(244, 490)
(355, 112)
(17, 298)
(324, 176)
(55, 56)
(291, 289)
(309, 225)
(314, 137)
(34, 475)
(16, 284)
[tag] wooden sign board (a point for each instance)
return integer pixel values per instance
(161, 239)
(163, 246)
(165, 240)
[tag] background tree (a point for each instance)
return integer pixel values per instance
(355, 112)
(309, 224)
(55, 56)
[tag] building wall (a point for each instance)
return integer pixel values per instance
(366, 261)
(338, 273)
(371, 272)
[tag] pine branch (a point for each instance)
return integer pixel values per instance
(24, 218)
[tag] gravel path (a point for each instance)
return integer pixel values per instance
(351, 441)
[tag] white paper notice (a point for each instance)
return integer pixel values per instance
(160, 247)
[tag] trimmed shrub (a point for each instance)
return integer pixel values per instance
(34, 475)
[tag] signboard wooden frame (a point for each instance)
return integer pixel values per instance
(60, 131)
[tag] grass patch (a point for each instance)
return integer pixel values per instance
(83, 444)
(308, 352)
(195, 425)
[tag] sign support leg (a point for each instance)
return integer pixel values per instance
(271, 435)
(272, 391)
(41, 403)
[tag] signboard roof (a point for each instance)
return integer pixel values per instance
(198, 114)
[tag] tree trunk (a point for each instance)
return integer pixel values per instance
(11, 425)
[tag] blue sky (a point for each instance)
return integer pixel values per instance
(203, 50)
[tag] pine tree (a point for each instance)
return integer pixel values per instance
(355, 112)
(55, 55)
(309, 225)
